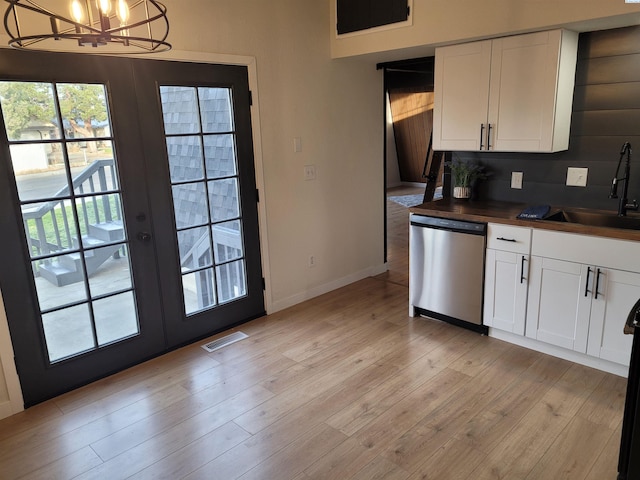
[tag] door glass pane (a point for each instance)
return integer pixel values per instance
(83, 108)
(220, 155)
(68, 332)
(185, 158)
(115, 318)
(190, 204)
(209, 200)
(227, 241)
(231, 281)
(39, 169)
(72, 212)
(29, 111)
(199, 290)
(180, 110)
(54, 281)
(223, 199)
(215, 109)
(195, 248)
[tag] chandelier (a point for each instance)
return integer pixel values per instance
(137, 26)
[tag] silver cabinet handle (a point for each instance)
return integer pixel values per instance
(481, 136)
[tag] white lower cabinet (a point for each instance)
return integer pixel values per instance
(618, 291)
(556, 297)
(559, 303)
(505, 300)
(581, 307)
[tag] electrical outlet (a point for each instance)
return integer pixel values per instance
(516, 180)
(309, 172)
(577, 177)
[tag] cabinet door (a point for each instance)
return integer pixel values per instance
(505, 300)
(461, 96)
(522, 98)
(617, 293)
(559, 303)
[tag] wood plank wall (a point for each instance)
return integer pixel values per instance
(606, 113)
(412, 112)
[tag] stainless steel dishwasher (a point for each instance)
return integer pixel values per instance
(446, 270)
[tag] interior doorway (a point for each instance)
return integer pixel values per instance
(412, 168)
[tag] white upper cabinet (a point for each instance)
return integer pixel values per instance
(511, 94)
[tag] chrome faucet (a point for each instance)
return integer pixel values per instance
(624, 204)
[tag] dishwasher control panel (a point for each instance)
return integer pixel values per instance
(449, 224)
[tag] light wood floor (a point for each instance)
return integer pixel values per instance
(345, 386)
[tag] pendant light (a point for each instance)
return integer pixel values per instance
(112, 26)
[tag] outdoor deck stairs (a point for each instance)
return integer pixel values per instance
(67, 269)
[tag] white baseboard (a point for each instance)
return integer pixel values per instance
(327, 287)
(576, 357)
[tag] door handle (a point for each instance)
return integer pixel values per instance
(488, 136)
(481, 136)
(144, 236)
(597, 282)
(522, 269)
(586, 285)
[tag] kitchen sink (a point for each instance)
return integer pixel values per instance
(596, 219)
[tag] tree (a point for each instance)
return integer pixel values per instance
(82, 103)
(26, 102)
(23, 103)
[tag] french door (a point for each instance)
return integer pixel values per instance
(128, 211)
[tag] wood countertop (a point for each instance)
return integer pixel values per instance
(506, 212)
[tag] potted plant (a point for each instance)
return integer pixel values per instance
(463, 175)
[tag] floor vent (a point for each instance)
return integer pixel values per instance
(224, 341)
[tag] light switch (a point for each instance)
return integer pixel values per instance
(297, 144)
(516, 180)
(309, 172)
(577, 177)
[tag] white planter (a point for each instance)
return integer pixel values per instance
(461, 192)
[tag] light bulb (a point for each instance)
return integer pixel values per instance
(77, 12)
(104, 6)
(122, 11)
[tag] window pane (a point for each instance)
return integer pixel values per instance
(195, 248)
(185, 158)
(93, 168)
(84, 110)
(215, 109)
(232, 282)
(223, 199)
(40, 171)
(227, 241)
(115, 318)
(109, 269)
(50, 227)
(220, 155)
(180, 110)
(59, 281)
(68, 332)
(100, 219)
(29, 111)
(190, 205)
(199, 290)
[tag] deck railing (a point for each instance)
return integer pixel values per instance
(50, 226)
